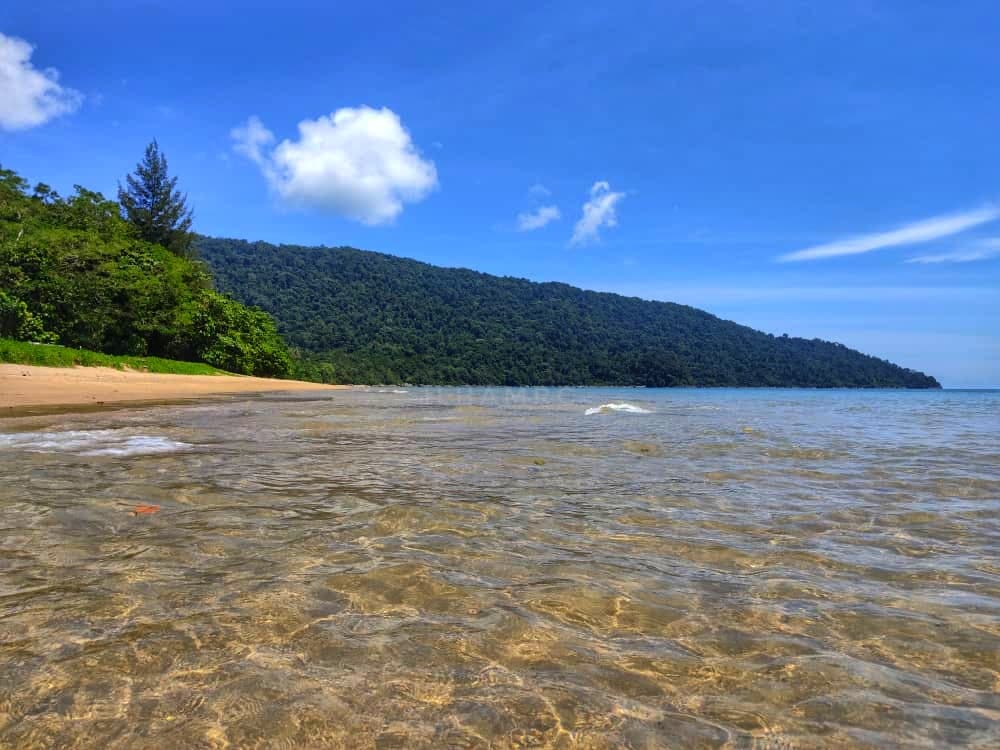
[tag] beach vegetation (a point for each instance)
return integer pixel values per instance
(52, 355)
(73, 271)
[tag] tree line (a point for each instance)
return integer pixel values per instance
(130, 278)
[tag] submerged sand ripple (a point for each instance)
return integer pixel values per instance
(435, 569)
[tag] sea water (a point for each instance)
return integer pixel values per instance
(539, 567)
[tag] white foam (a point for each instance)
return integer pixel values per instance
(606, 408)
(91, 443)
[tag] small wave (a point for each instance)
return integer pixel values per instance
(606, 408)
(91, 443)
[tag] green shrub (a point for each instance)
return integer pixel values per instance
(239, 339)
(18, 322)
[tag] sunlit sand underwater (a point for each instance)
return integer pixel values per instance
(473, 568)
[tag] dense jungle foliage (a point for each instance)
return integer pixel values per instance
(73, 271)
(364, 317)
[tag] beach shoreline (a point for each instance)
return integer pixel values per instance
(29, 386)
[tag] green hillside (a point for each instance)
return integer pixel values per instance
(364, 317)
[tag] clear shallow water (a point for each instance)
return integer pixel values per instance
(497, 568)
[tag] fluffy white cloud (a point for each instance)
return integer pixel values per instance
(909, 234)
(358, 162)
(598, 212)
(530, 220)
(28, 96)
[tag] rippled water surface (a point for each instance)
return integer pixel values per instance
(465, 568)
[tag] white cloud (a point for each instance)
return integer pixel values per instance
(251, 138)
(982, 250)
(539, 190)
(909, 234)
(598, 212)
(538, 218)
(28, 96)
(358, 162)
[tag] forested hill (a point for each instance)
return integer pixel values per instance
(366, 317)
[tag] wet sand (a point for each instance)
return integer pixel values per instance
(28, 386)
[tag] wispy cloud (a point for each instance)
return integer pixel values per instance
(598, 212)
(250, 139)
(531, 220)
(982, 250)
(539, 190)
(909, 234)
(723, 295)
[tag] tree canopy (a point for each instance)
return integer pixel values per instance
(74, 272)
(152, 203)
(365, 317)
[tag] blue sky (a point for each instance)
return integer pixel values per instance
(821, 169)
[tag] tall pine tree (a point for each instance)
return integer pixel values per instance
(154, 206)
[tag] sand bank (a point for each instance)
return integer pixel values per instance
(25, 386)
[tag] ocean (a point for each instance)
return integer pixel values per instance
(493, 567)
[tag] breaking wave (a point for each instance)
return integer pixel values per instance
(607, 408)
(91, 443)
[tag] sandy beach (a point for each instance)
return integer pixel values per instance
(27, 386)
